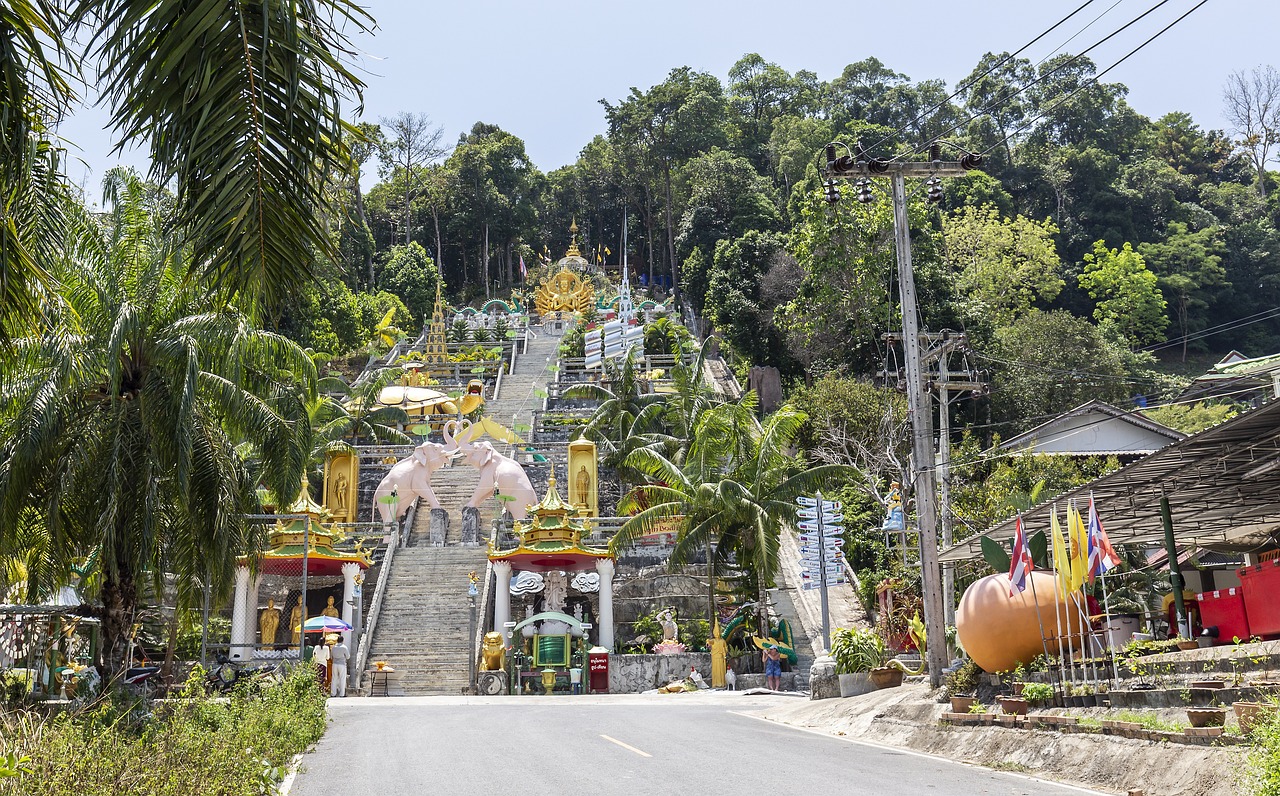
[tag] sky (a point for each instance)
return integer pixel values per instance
(539, 69)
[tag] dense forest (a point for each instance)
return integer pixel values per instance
(1137, 240)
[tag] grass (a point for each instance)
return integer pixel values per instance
(1149, 721)
(187, 745)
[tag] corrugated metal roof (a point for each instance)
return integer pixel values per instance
(1222, 483)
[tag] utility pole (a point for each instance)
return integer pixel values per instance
(919, 403)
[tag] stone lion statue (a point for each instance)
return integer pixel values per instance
(492, 650)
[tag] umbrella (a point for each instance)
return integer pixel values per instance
(324, 624)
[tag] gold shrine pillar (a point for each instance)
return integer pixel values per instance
(341, 485)
(583, 483)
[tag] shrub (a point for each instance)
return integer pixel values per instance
(964, 680)
(1037, 691)
(856, 650)
(1262, 772)
(192, 744)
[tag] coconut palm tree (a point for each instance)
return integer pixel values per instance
(734, 492)
(239, 104)
(119, 422)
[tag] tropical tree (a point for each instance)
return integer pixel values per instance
(627, 416)
(733, 493)
(1128, 300)
(119, 423)
(239, 105)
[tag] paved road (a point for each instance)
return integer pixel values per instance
(618, 746)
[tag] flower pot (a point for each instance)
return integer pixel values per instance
(961, 704)
(1059, 699)
(1014, 705)
(855, 684)
(1207, 717)
(886, 677)
(1088, 700)
(1250, 714)
(1016, 688)
(1188, 644)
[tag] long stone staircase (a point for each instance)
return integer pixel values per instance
(422, 629)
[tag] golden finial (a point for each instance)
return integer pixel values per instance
(573, 244)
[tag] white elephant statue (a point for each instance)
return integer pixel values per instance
(411, 478)
(495, 469)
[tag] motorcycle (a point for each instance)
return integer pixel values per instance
(224, 677)
(143, 680)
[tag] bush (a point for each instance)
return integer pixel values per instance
(965, 679)
(1262, 773)
(192, 744)
(856, 650)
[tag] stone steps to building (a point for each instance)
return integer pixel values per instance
(423, 629)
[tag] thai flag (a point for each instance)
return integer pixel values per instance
(1102, 556)
(1020, 565)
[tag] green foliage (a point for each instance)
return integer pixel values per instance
(1190, 418)
(964, 680)
(856, 650)
(1037, 691)
(1129, 301)
(1002, 266)
(1048, 362)
(411, 274)
(196, 744)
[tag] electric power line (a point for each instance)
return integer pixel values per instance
(1006, 59)
(1097, 77)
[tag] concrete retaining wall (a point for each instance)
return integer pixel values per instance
(634, 674)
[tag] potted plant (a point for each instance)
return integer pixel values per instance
(1207, 717)
(890, 671)
(1186, 644)
(1015, 705)
(962, 686)
(1038, 695)
(1250, 714)
(856, 653)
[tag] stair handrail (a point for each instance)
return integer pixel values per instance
(487, 597)
(379, 592)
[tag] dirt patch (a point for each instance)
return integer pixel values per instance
(908, 717)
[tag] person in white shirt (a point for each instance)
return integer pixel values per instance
(338, 655)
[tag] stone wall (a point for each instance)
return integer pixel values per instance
(634, 674)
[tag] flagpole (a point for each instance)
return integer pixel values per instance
(1036, 598)
(1069, 666)
(1106, 608)
(1086, 640)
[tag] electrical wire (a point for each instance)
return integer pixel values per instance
(1003, 100)
(1095, 78)
(1006, 59)
(1225, 326)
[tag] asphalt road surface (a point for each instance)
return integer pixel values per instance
(614, 746)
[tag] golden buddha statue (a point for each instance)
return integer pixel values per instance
(330, 609)
(563, 292)
(295, 624)
(268, 624)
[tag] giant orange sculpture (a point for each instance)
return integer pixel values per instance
(999, 631)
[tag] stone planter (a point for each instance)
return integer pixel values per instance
(1207, 717)
(855, 684)
(962, 704)
(1250, 714)
(1013, 705)
(1188, 644)
(886, 677)
(1207, 684)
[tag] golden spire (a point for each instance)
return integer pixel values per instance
(573, 245)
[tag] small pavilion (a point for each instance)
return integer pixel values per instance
(302, 540)
(551, 543)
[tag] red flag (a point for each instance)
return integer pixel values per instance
(1020, 565)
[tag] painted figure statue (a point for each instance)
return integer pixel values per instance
(496, 470)
(411, 478)
(894, 519)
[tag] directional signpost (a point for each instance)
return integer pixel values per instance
(821, 561)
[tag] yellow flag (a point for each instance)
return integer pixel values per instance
(606, 250)
(1079, 548)
(1061, 564)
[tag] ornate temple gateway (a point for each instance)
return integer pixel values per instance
(549, 560)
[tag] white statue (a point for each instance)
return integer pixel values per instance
(670, 630)
(410, 478)
(557, 591)
(497, 472)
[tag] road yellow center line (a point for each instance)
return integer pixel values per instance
(626, 746)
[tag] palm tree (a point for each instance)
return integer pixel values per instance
(627, 417)
(239, 103)
(734, 492)
(119, 423)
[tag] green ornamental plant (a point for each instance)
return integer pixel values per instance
(1037, 691)
(856, 650)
